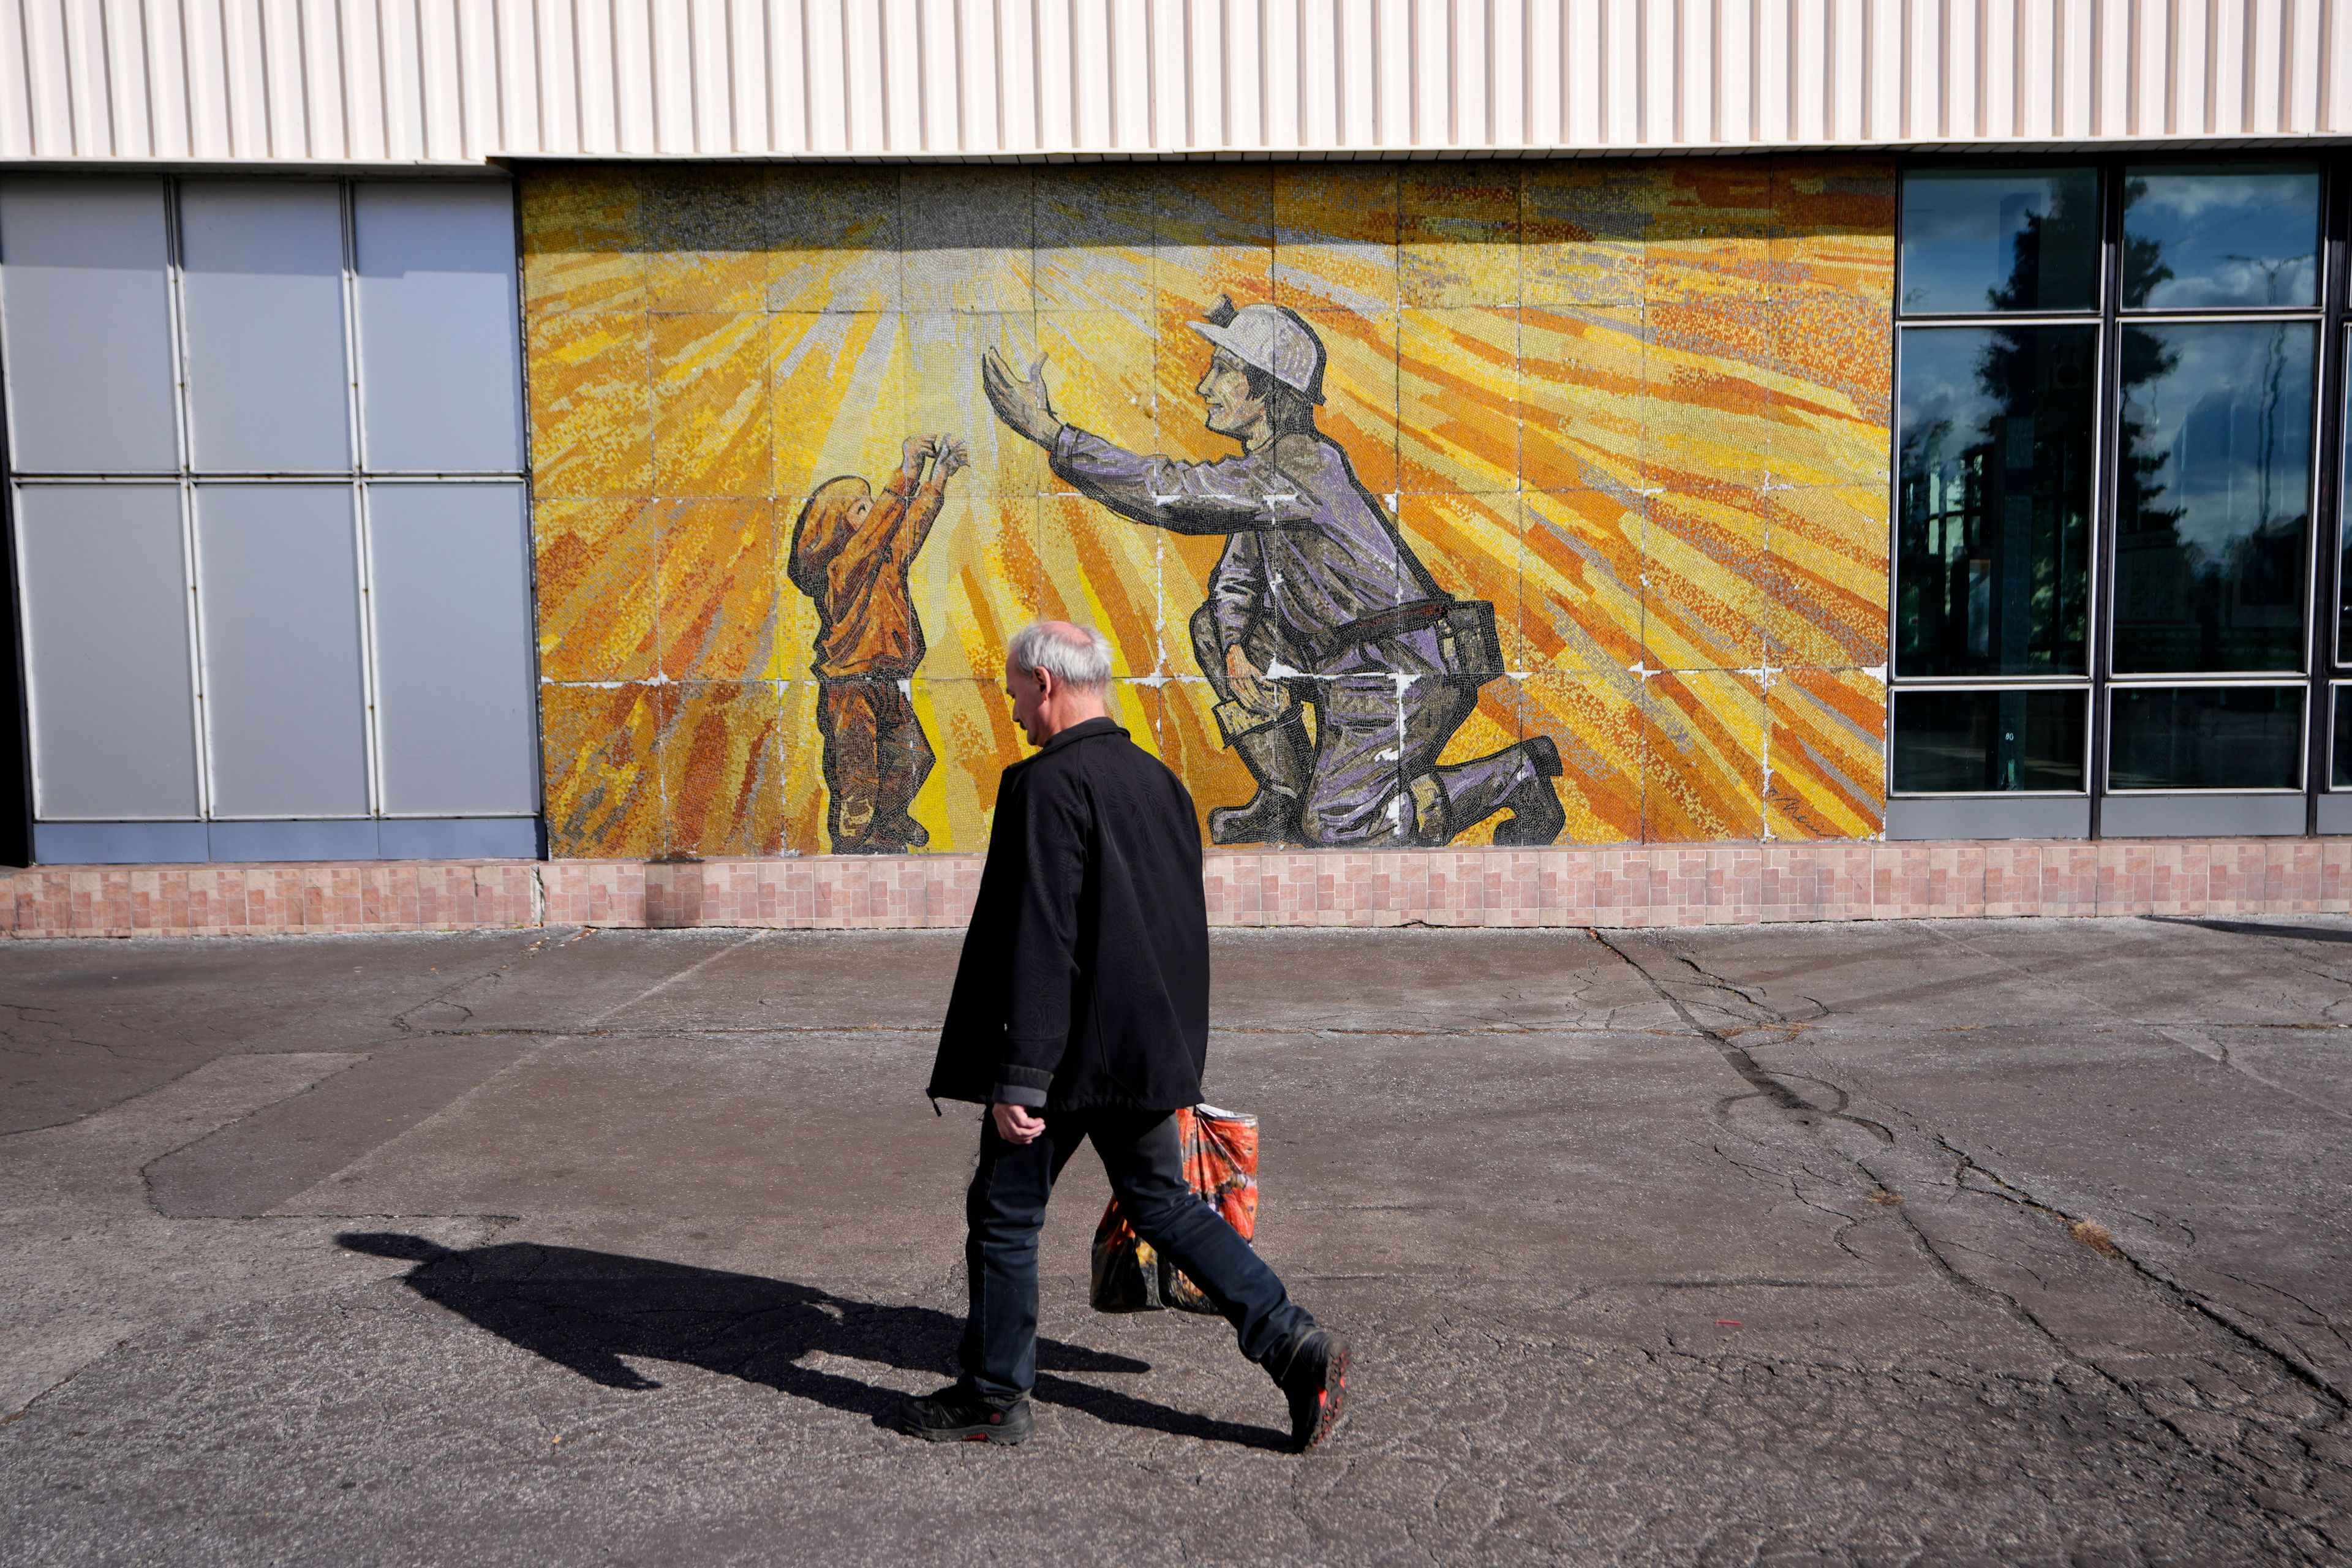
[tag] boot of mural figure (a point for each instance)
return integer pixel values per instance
(1537, 815)
(899, 830)
(1517, 780)
(1275, 757)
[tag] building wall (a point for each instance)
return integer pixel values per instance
(1640, 407)
(461, 80)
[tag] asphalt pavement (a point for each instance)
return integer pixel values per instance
(1987, 1242)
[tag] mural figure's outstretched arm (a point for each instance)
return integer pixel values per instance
(951, 456)
(1019, 400)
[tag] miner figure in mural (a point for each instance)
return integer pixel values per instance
(1317, 602)
(851, 554)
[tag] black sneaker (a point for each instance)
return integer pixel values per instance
(956, 1414)
(1315, 1383)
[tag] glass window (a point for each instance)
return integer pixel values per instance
(1968, 742)
(2343, 511)
(2000, 239)
(1993, 528)
(2342, 750)
(2213, 496)
(2201, 236)
(2212, 737)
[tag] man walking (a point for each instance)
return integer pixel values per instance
(1081, 1011)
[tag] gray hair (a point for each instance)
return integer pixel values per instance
(1078, 656)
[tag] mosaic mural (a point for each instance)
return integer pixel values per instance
(1520, 503)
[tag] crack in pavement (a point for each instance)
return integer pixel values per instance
(1767, 1086)
(1820, 1123)
(2211, 1049)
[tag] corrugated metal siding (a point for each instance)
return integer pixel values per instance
(454, 81)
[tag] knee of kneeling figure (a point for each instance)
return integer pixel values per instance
(1206, 644)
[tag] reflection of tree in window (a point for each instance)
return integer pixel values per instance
(1995, 503)
(2211, 514)
(2069, 230)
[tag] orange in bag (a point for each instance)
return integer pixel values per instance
(1219, 1154)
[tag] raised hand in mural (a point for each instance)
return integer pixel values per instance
(914, 452)
(954, 456)
(1019, 399)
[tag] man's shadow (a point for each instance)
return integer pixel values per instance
(584, 1311)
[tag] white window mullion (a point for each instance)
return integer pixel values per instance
(184, 434)
(363, 584)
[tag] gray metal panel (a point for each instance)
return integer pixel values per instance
(88, 334)
(235, 841)
(1990, 816)
(450, 567)
(262, 289)
(106, 638)
(460, 838)
(2336, 814)
(440, 383)
(279, 606)
(117, 843)
(2201, 816)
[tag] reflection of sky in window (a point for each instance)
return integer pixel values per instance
(2209, 415)
(1940, 382)
(2232, 236)
(1960, 230)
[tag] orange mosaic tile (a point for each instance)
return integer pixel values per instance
(1825, 754)
(1335, 236)
(710, 394)
(707, 240)
(1459, 232)
(1580, 594)
(1583, 393)
(720, 617)
(1638, 409)
(722, 751)
(598, 565)
(1703, 756)
(591, 403)
(835, 237)
(580, 243)
(604, 790)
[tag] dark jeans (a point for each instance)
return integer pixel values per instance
(1139, 1151)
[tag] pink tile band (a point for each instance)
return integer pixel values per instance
(1661, 885)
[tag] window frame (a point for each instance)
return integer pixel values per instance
(358, 478)
(2327, 654)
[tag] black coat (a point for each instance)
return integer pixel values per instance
(1086, 970)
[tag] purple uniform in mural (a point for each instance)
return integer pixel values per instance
(1317, 603)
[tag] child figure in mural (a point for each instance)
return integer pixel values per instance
(851, 553)
(1317, 602)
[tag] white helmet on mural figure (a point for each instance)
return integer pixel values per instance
(1271, 338)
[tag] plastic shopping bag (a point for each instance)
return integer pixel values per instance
(1220, 1152)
